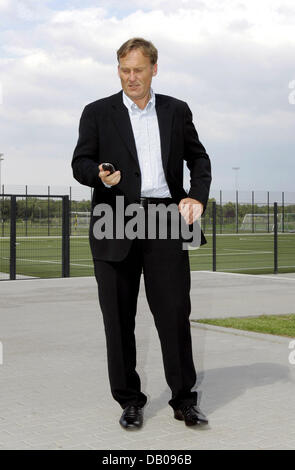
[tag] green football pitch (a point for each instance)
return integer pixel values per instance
(40, 255)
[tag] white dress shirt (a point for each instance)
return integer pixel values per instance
(147, 140)
(146, 133)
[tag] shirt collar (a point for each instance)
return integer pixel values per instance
(131, 106)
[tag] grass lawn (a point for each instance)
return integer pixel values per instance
(283, 325)
(39, 255)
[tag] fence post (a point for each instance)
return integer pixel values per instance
(3, 228)
(65, 237)
(283, 212)
(275, 231)
(12, 265)
(268, 211)
(253, 226)
(70, 209)
(48, 212)
(26, 211)
(2, 214)
(221, 213)
(237, 211)
(214, 234)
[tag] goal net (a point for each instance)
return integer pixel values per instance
(80, 220)
(263, 222)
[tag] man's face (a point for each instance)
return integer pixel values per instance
(136, 72)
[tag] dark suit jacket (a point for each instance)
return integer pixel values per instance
(105, 135)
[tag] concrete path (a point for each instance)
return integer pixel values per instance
(54, 390)
(223, 294)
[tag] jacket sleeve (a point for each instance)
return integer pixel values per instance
(86, 154)
(197, 161)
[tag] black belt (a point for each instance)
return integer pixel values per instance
(144, 201)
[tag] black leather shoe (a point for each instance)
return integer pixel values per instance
(132, 417)
(191, 414)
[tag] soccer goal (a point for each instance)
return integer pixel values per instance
(289, 222)
(80, 220)
(261, 222)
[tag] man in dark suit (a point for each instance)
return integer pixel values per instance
(146, 136)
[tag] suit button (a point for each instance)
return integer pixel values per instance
(136, 173)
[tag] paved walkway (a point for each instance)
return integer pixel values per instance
(54, 392)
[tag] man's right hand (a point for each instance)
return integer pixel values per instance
(107, 178)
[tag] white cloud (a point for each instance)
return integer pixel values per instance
(231, 61)
(4, 5)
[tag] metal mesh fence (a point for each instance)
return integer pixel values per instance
(245, 238)
(34, 236)
(5, 207)
(47, 236)
(39, 236)
(81, 260)
(286, 239)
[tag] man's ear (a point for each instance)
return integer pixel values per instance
(119, 70)
(155, 69)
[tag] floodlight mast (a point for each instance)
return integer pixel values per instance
(236, 168)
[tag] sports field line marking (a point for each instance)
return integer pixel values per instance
(32, 237)
(50, 262)
(266, 234)
(243, 239)
(85, 265)
(232, 254)
(245, 251)
(36, 260)
(29, 237)
(253, 268)
(257, 276)
(82, 259)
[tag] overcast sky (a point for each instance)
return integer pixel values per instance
(231, 61)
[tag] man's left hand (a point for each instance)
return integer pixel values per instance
(190, 209)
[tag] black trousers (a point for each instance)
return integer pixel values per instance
(166, 270)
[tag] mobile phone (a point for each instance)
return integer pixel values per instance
(108, 167)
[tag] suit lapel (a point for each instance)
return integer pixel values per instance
(165, 117)
(122, 122)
